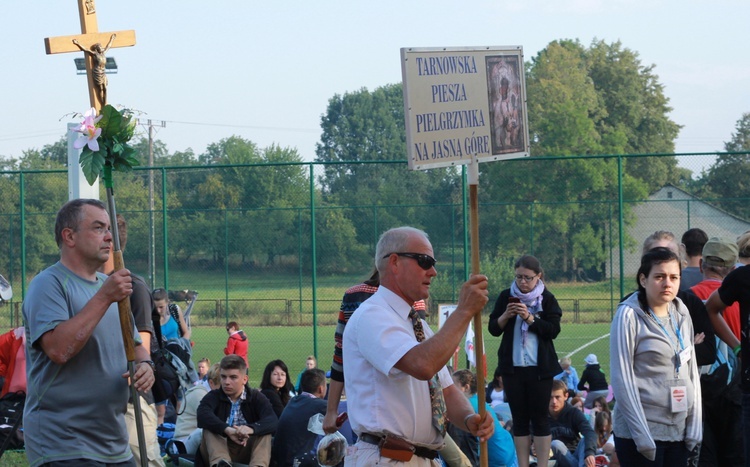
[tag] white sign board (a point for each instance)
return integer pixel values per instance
(461, 102)
(444, 311)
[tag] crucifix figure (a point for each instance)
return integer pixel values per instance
(99, 67)
(90, 42)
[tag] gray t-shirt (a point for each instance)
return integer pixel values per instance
(75, 410)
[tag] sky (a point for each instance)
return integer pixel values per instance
(265, 71)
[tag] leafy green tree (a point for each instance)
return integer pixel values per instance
(563, 105)
(729, 177)
(141, 148)
(51, 156)
(260, 187)
(362, 127)
(562, 210)
(635, 117)
(741, 137)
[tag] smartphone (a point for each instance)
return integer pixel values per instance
(514, 300)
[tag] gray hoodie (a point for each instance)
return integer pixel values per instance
(642, 363)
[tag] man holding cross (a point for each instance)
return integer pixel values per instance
(398, 388)
(76, 363)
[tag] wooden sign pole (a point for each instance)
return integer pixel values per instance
(473, 175)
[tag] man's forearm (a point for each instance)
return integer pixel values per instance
(335, 389)
(67, 339)
(715, 307)
(457, 406)
(424, 360)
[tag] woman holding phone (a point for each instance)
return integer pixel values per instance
(528, 317)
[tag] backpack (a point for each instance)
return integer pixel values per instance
(175, 314)
(166, 378)
(167, 381)
(11, 420)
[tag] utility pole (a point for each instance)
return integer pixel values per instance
(152, 241)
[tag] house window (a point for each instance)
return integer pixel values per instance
(669, 194)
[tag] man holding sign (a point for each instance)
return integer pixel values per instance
(398, 388)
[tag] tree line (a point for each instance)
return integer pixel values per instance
(583, 101)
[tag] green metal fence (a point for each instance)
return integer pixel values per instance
(274, 246)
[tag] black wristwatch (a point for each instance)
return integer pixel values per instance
(150, 363)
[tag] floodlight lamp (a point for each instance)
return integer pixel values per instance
(110, 67)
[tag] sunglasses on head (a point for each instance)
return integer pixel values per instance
(424, 261)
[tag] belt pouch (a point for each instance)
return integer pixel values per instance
(396, 448)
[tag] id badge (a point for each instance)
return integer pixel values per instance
(685, 356)
(678, 395)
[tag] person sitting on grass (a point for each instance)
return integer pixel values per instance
(567, 424)
(237, 421)
(186, 430)
(310, 363)
(203, 366)
(276, 386)
(593, 380)
(569, 375)
(292, 439)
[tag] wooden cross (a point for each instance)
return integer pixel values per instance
(90, 42)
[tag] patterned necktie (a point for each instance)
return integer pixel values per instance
(436, 391)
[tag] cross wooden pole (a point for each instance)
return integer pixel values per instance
(89, 37)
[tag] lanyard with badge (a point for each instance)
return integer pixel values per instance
(676, 386)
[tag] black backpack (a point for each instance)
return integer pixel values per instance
(11, 420)
(167, 381)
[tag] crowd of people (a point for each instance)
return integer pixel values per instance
(679, 394)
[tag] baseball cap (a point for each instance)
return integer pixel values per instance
(719, 251)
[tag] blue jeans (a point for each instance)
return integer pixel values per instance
(668, 454)
(564, 458)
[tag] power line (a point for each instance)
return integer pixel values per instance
(32, 135)
(253, 127)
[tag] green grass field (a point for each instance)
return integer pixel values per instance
(293, 345)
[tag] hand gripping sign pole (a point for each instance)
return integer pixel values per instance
(464, 106)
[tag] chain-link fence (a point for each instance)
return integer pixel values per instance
(273, 247)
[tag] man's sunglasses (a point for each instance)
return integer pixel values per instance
(424, 261)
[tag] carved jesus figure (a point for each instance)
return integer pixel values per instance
(99, 66)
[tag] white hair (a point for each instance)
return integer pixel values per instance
(394, 241)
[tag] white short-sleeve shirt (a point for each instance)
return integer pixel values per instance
(380, 397)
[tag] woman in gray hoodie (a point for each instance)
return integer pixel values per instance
(655, 379)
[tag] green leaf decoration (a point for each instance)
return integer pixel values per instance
(118, 127)
(91, 164)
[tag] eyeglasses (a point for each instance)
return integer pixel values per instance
(424, 261)
(99, 230)
(522, 278)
